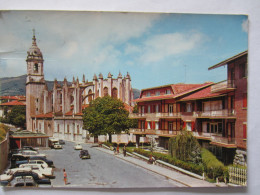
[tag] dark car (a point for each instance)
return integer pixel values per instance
(84, 154)
(49, 162)
(61, 142)
(29, 148)
(28, 173)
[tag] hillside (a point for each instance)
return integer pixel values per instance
(16, 86)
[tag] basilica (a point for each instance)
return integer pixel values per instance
(58, 112)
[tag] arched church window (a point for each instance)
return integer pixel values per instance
(114, 93)
(105, 91)
(89, 95)
(35, 67)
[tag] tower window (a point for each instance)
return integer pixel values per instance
(35, 67)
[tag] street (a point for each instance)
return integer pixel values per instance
(101, 171)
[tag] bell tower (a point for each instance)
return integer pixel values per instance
(35, 83)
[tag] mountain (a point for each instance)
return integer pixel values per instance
(16, 86)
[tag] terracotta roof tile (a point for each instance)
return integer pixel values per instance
(69, 113)
(47, 115)
(202, 94)
(13, 103)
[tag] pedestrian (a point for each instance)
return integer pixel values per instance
(65, 176)
(117, 149)
(124, 151)
(114, 149)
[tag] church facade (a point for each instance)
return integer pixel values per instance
(58, 112)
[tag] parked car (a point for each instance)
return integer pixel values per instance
(9, 173)
(39, 162)
(78, 146)
(62, 142)
(84, 154)
(29, 148)
(23, 181)
(57, 145)
(27, 154)
(49, 162)
(35, 176)
(40, 169)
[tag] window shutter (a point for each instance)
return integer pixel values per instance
(192, 126)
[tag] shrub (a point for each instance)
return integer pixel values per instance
(195, 168)
(185, 147)
(213, 167)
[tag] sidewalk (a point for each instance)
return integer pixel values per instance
(184, 180)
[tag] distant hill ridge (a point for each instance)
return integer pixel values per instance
(16, 86)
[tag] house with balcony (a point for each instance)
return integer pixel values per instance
(160, 114)
(216, 113)
(236, 89)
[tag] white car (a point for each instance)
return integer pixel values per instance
(29, 153)
(39, 162)
(78, 147)
(9, 173)
(57, 145)
(39, 169)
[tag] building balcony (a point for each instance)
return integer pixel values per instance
(223, 86)
(154, 132)
(216, 139)
(153, 116)
(225, 113)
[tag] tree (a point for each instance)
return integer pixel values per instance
(16, 116)
(106, 115)
(185, 147)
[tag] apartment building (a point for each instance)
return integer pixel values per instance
(216, 113)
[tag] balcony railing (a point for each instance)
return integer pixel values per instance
(154, 131)
(215, 113)
(215, 137)
(154, 115)
(223, 86)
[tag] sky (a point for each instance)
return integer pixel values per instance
(156, 49)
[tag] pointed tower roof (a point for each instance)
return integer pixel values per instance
(95, 77)
(119, 75)
(34, 52)
(109, 75)
(128, 76)
(100, 76)
(83, 79)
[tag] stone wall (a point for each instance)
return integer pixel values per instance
(4, 150)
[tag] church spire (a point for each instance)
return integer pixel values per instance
(34, 39)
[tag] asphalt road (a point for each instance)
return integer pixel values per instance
(101, 171)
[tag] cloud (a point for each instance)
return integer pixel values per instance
(245, 26)
(87, 40)
(162, 46)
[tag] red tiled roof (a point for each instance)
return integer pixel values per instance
(9, 97)
(47, 115)
(178, 89)
(79, 114)
(151, 98)
(13, 103)
(69, 113)
(201, 94)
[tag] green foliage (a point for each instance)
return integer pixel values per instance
(16, 116)
(106, 116)
(185, 147)
(3, 130)
(195, 168)
(213, 167)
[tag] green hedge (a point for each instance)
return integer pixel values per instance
(195, 168)
(213, 167)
